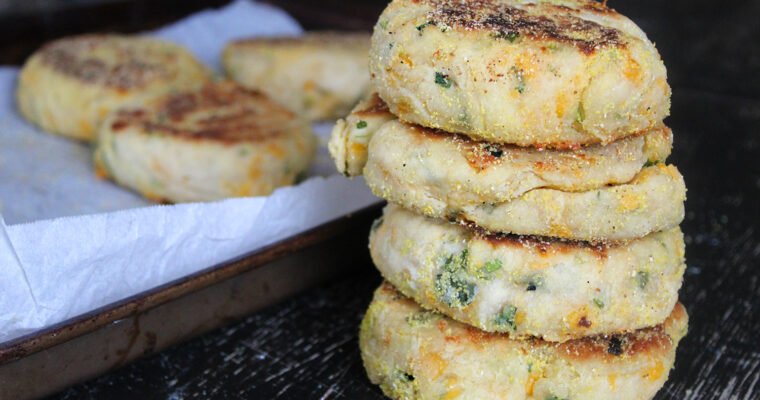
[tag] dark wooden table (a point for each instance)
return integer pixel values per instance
(306, 348)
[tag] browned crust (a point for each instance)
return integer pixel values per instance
(70, 56)
(231, 114)
(322, 38)
(375, 106)
(481, 154)
(557, 23)
(643, 341)
(648, 341)
(548, 245)
(438, 134)
(543, 245)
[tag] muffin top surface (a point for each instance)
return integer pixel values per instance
(224, 112)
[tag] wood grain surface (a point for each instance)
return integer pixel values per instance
(306, 348)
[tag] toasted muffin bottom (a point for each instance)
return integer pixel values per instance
(413, 353)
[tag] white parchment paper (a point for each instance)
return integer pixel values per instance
(74, 243)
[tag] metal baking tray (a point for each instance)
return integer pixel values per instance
(81, 348)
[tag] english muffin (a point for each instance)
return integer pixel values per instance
(461, 172)
(219, 141)
(529, 286)
(69, 85)
(350, 136)
(320, 75)
(652, 201)
(413, 353)
(549, 73)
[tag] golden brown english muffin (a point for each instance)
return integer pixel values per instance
(319, 75)
(350, 136)
(529, 286)
(413, 353)
(652, 201)
(555, 73)
(69, 85)
(219, 141)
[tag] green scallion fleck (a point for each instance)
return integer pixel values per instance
(642, 277)
(511, 36)
(456, 262)
(420, 318)
(506, 317)
(579, 117)
(443, 80)
(384, 23)
(520, 86)
(452, 287)
(599, 303)
(425, 25)
(376, 224)
(649, 163)
(454, 290)
(492, 266)
(361, 124)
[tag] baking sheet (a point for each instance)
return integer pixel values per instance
(75, 243)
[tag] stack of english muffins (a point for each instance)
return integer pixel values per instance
(530, 247)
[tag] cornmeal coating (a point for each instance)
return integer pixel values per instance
(547, 73)
(652, 201)
(529, 286)
(413, 353)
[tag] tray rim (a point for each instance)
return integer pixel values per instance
(90, 321)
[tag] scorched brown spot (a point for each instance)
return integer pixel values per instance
(648, 341)
(68, 57)
(376, 106)
(541, 21)
(224, 113)
(544, 245)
